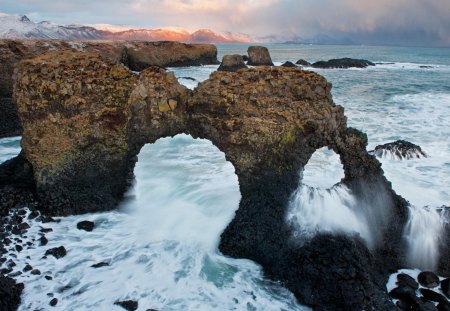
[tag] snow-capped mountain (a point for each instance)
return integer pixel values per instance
(20, 27)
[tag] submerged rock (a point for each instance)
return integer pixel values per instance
(9, 294)
(100, 264)
(232, 63)
(129, 305)
(343, 63)
(259, 56)
(400, 149)
(407, 280)
(85, 225)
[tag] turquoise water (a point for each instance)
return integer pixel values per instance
(162, 243)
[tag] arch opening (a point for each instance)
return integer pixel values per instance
(322, 204)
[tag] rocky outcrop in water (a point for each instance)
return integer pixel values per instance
(343, 63)
(136, 55)
(303, 62)
(9, 294)
(400, 149)
(85, 120)
(289, 64)
(258, 56)
(232, 63)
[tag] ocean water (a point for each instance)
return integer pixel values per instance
(161, 243)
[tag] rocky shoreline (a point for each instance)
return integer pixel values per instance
(85, 119)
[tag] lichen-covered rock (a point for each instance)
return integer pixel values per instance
(137, 55)
(232, 63)
(259, 56)
(85, 121)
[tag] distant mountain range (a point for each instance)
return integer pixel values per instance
(21, 27)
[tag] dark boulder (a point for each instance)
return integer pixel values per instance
(303, 62)
(9, 294)
(428, 279)
(232, 63)
(129, 305)
(445, 287)
(400, 149)
(407, 280)
(406, 294)
(43, 241)
(289, 64)
(443, 306)
(57, 252)
(343, 63)
(259, 56)
(245, 58)
(431, 295)
(424, 306)
(85, 225)
(53, 302)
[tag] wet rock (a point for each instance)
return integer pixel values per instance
(53, 302)
(35, 272)
(9, 294)
(85, 225)
(432, 295)
(19, 248)
(428, 279)
(27, 268)
(406, 294)
(443, 306)
(23, 226)
(15, 274)
(188, 78)
(445, 287)
(425, 67)
(33, 215)
(100, 264)
(129, 305)
(57, 252)
(343, 63)
(258, 56)
(245, 58)
(407, 280)
(400, 149)
(425, 306)
(45, 230)
(9, 119)
(289, 64)
(43, 241)
(303, 62)
(48, 277)
(232, 63)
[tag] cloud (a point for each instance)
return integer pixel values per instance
(406, 22)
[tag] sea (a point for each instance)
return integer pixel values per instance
(161, 243)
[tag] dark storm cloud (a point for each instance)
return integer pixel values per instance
(403, 22)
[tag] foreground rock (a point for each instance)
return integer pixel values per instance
(83, 132)
(258, 56)
(232, 63)
(57, 252)
(129, 305)
(136, 55)
(9, 294)
(400, 149)
(85, 225)
(343, 63)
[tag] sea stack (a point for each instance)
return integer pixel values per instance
(259, 56)
(232, 63)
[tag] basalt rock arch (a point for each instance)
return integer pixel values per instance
(85, 121)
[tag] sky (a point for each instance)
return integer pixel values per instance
(392, 22)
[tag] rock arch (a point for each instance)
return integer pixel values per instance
(85, 121)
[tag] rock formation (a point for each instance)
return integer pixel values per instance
(258, 56)
(343, 63)
(85, 120)
(289, 64)
(232, 63)
(400, 149)
(136, 55)
(9, 294)
(303, 62)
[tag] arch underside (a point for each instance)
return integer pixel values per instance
(83, 141)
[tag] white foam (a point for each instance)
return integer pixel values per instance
(9, 148)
